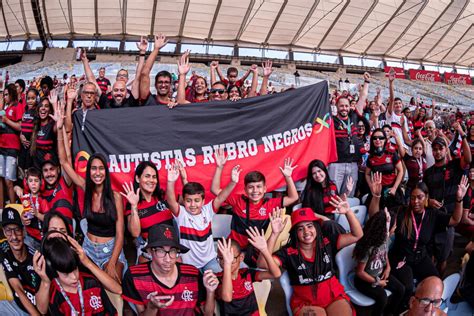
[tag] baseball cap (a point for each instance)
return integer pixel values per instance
(303, 215)
(439, 141)
(161, 235)
(11, 216)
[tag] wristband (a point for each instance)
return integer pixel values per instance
(463, 137)
(142, 54)
(377, 196)
(366, 81)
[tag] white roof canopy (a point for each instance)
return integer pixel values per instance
(436, 31)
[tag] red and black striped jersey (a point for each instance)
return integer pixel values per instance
(151, 213)
(27, 122)
(11, 138)
(244, 301)
(385, 164)
(258, 216)
(189, 292)
(60, 199)
(96, 301)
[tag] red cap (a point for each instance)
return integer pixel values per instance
(303, 215)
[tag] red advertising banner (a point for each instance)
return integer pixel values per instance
(399, 72)
(425, 75)
(457, 79)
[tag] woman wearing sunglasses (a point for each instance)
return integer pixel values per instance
(387, 162)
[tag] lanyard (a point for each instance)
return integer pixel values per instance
(84, 114)
(68, 301)
(420, 165)
(417, 228)
(348, 127)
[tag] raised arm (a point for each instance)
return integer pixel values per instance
(87, 67)
(342, 207)
(461, 192)
(433, 111)
(221, 159)
(267, 71)
(173, 175)
(224, 194)
(183, 69)
(278, 225)
(375, 186)
(71, 98)
(219, 73)
(227, 253)
(466, 150)
(287, 172)
(391, 78)
(253, 87)
(213, 69)
(142, 47)
(361, 103)
(160, 41)
(406, 138)
(133, 198)
(257, 239)
(42, 295)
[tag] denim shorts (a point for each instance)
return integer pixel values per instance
(100, 253)
(8, 167)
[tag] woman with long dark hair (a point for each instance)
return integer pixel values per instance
(197, 92)
(387, 162)
(319, 189)
(101, 207)
(309, 258)
(10, 144)
(145, 206)
(43, 137)
(27, 124)
(373, 268)
(416, 225)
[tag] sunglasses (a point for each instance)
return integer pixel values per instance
(220, 91)
(378, 138)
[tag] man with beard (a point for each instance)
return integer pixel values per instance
(347, 142)
(395, 112)
(442, 180)
(17, 262)
(218, 92)
(162, 79)
(118, 98)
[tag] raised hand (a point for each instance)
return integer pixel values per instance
(58, 115)
(342, 206)
(220, 157)
(276, 221)
(173, 173)
(84, 55)
(376, 186)
(225, 249)
(160, 41)
(143, 44)
(210, 281)
(257, 238)
(462, 188)
(267, 68)
(288, 167)
(39, 265)
(53, 97)
(182, 170)
(214, 64)
(236, 173)
(131, 196)
(71, 94)
(254, 68)
(367, 76)
(183, 63)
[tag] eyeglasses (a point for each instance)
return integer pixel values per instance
(163, 83)
(378, 138)
(360, 126)
(161, 253)
(5, 94)
(221, 259)
(426, 301)
(10, 231)
(220, 91)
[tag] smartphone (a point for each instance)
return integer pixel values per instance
(78, 54)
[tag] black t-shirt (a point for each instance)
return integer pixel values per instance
(20, 270)
(443, 182)
(107, 102)
(433, 222)
(244, 301)
(344, 139)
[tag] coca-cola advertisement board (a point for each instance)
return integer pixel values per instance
(425, 75)
(399, 72)
(457, 79)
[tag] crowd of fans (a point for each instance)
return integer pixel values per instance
(411, 166)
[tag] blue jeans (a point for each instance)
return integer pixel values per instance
(11, 308)
(340, 172)
(100, 253)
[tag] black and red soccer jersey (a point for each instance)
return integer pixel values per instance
(10, 139)
(45, 143)
(96, 301)
(151, 213)
(188, 292)
(27, 122)
(346, 137)
(415, 168)
(385, 164)
(23, 271)
(244, 301)
(60, 199)
(258, 216)
(103, 84)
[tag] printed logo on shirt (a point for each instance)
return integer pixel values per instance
(326, 258)
(262, 211)
(248, 285)
(301, 266)
(31, 297)
(160, 206)
(41, 133)
(95, 302)
(388, 160)
(7, 265)
(10, 113)
(187, 295)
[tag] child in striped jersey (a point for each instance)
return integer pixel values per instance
(194, 218)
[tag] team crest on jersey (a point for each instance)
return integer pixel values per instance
(388, 160)
(10, 113)
(248, 285)
(187, 295)
(95, 302)
(160, 206)
(326, 258)
(262, 211)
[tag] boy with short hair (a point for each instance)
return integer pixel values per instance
(253, 208)
(235, 293)
(232, 75)
(194, 218)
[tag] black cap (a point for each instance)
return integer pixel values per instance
(11, 216)
(161, 235)
(439, 141)
(52, 159)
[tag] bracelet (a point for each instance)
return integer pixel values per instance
(142, 54)
(366, 81)
(377, 196)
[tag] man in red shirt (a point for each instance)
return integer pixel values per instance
(102, 82)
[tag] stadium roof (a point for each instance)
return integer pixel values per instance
(436, 31)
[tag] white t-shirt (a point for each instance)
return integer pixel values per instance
(394, 121)
(196, 234)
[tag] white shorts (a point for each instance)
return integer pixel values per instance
(8, 166)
